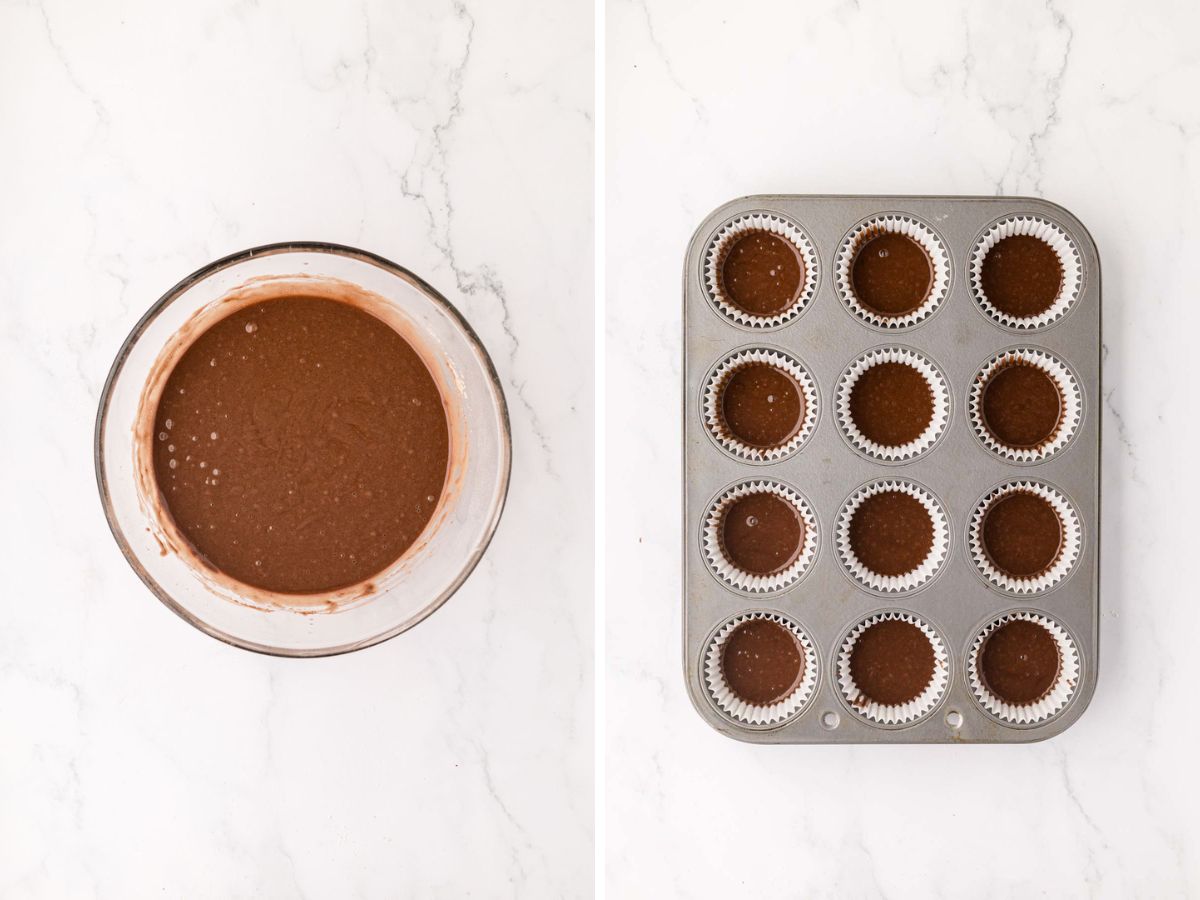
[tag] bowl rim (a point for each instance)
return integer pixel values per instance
(233, 259)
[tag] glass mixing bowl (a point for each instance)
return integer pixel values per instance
(407, 591)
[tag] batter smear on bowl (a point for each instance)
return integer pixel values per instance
(300, 445)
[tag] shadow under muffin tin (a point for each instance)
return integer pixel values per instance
(891, 464)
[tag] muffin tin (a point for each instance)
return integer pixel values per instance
(821, 597)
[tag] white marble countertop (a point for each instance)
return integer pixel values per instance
(140, 141)
(1089, 104)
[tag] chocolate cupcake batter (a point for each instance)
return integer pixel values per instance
(762, 405)
(762, 533)
(1022, 405)
(891, 403)
(892, 274)
(762, 273)
(1021, 276)
(1020, 662)
(891, 533)
(762, 661)
(1022, 534)
(892, 662)
(300, 445)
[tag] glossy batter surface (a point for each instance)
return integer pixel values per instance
(891, 404)
(1022, 275)
(1022, 534)
(762, 405)
(762, 533)
(1022, 406)
(762, 661)
(1020, 662)
(300, 445)
(763, 273)
(892, 274)
(891, 533)
(892, 662)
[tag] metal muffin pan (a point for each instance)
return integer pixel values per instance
(958, 470)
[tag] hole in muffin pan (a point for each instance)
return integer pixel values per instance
(998, 417)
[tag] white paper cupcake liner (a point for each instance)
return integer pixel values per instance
(1068, 390)
(899, 713)
(894, 584)
(937, 386)
(1068, 553)
(1056, 698)
(895, 224)
(714, 420)
(750, 713)
(1060, 242)
(720, 564)
(715, 255)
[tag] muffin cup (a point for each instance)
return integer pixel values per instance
(893, 223)
(937, 385)
(1062, 245)
(1068, 554)
(1056, 698)
(727, 571)
(898, 713)
(893, 584)
(714, 421)
(719, 246)
(752, 714)
(1068, 391)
